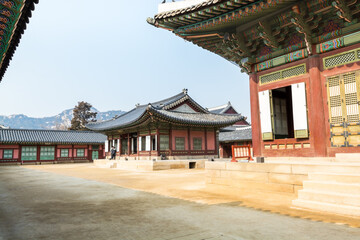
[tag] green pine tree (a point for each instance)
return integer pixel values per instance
(82, 115)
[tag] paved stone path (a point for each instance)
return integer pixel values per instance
(43, 205)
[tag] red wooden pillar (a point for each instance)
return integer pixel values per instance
(205, 136)
(255, 115)
(170, 141)
(120, 145)
(316, 108)
(129, 146)
(138, 146)
(189, 141)
(158, 142)
(217, 145)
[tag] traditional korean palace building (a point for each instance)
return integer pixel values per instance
(237, 134)
(303, 62)
(19, 146)
(14, 16)
(173, 128)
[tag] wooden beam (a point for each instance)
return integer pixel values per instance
(265, 32)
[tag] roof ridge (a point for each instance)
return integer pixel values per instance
(220, 107)
(45, 130)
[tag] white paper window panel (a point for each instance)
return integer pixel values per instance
(350, 88)
(336, 111)
(147, 143)
(117, 145)
(106, 146)
(334, 91)
(265, 112)
(132, 145)
(352, 109)
(139, 147)
(299, 106)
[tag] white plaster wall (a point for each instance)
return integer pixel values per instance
(170, 6)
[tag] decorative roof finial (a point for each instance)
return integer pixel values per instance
(137, 105)
(185, 90)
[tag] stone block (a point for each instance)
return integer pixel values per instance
(295, 179)
(261, 186)
(279, 168)
(215, 165)
(249, 176)
(327, 207)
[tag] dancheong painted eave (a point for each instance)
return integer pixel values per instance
(258, 35)
(14, 17)
(166, 111)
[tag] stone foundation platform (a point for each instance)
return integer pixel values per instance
(150, 165)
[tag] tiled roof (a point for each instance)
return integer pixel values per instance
(162, 110)
(188, 9)
(50, 136)
(221, 109)
(200, 118)
(14, 16)
(242, 134)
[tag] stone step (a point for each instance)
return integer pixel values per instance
(342, 188)
(327, 207)
(329, 197)
(335, 177)
(347, 157)
(299, 159)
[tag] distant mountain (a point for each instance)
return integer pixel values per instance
(61, 121)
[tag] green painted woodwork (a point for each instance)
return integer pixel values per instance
(277, 33)
(342, 58)
(164, 142)
(283, 74)
(8, 154)
(28, 153)
(352, 38)
(197, 144)
(301, 133)
(10, 13)
(179, 143)
(47, 153)
(80, 152)
(95, 155)
(64, 153)
(268, 136)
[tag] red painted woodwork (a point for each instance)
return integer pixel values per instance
(255, 115)
(16, 153)
(197, 134)
(241, 152)
(210, 140)
(316, 104)
(9, 146)
(180, 133)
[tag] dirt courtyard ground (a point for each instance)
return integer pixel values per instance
(79, 201)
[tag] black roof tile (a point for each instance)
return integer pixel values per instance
(50, 136)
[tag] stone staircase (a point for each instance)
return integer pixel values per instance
(336, 190)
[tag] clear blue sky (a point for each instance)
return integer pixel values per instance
(105, 53)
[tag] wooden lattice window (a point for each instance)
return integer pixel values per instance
(343, 104)
(28, 153)
(164, 142)
(80, 152)
(179, 143)
(47, 153)
(8, 154)
(197, 142)
(64, 153)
